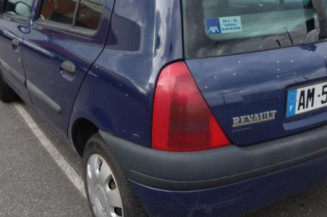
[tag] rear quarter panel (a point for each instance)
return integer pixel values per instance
(117, 94)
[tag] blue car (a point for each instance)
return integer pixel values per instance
(178, 107)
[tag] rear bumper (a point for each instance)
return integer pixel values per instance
(234, 199)
(222, 182)
(216, 167)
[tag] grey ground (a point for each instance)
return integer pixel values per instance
(31, 184)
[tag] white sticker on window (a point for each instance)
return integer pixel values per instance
(223, 25)
(230, 24)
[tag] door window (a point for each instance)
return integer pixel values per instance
(61, 11)
(80, 13)
(89, 13)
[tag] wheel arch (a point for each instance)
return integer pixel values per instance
(81, 131)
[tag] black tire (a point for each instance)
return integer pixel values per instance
(6, 93)
(131, 205)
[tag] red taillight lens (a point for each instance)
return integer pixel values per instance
(182, 120)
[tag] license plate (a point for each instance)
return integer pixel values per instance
(306, 99)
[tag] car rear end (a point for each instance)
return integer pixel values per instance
(240, 122)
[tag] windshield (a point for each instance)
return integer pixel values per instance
(224, 27)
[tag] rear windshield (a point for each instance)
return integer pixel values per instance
(225, 27)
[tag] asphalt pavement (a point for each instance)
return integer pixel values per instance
(34, 184)
(31, 183)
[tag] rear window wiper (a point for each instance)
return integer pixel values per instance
(322, 17)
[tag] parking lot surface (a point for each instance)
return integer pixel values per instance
(34, 182)
(31, 183)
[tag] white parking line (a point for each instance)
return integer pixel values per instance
(51, 149)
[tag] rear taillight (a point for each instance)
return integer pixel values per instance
(182, 121)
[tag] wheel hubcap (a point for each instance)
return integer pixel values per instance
(103, 190)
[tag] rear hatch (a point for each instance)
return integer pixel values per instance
(260, 65)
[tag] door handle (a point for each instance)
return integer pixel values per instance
(15, 42)
(68, 66)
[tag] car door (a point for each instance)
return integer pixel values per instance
(13, 25)
(65, 38)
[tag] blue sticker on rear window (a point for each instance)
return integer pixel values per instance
(213, 26)
(224, 25)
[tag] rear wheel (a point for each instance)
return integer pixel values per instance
(6, 93)
(107, 188)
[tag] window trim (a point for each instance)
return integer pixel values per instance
(76, 11)
(71, 28)
(14, 16)
(67, 28)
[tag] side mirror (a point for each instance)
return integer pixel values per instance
(21, 8)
